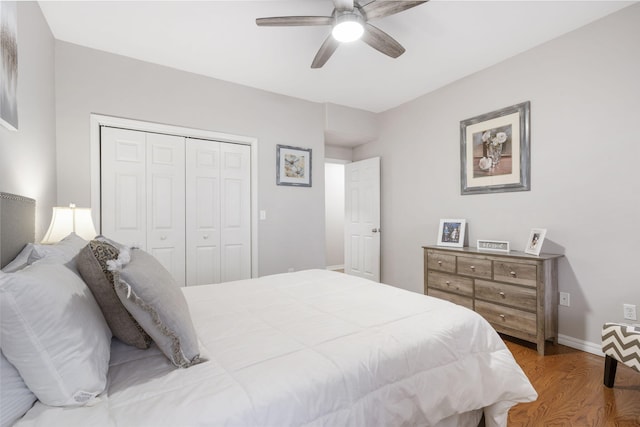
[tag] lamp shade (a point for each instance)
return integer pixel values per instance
(67, 220)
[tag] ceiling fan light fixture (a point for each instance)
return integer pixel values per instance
(348, 27)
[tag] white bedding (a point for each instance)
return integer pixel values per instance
(313, 348)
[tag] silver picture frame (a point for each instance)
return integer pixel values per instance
(495, 151)
(293, 166)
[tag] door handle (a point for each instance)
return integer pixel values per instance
(375, 230)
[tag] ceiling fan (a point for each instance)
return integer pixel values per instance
(350, 22)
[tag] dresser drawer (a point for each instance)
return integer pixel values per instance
(501, 293)
(505, 318)
(513, 272)
(454, 298)
(475, 267)
(450, 283)
(440, 261)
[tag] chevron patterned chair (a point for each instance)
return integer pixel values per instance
(620, 343)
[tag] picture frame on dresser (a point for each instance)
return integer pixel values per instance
(535, 241)
(451, 232)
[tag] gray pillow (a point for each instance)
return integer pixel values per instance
(92, 266)
(156, 301)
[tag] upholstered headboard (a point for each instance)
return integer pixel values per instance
(17, 225)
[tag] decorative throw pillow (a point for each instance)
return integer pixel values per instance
(92, 265)
(53, 332)
(155, 300)
(15, 397)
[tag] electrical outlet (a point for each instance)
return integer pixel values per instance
(565, 299)
(629, 311)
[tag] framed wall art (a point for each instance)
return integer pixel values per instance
(293, 166)
(495, 151)
(9, 65)
(452, 232)
(534, 243)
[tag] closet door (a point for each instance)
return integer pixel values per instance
(166, 202)
(235, 219)
(123, 181)
(203, 212)
(142, 194)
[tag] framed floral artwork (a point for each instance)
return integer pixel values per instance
(452, 232)
(534, 243)
(293, 166)
(495, 151)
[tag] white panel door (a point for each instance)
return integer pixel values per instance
(123, 181)
(203, 211)
(166, 202)
(362, 219)
(235, 218)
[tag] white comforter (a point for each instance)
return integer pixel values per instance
(312, 348)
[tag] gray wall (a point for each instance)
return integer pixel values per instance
(27, 157)
(585, 148)
(91, 81)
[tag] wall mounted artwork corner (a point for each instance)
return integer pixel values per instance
(495, 151)
(9, 65)
(293, 166)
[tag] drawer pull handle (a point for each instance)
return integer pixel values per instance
(501, 294)
(502, 316)
(447, 282)
(439, 262)
(473, 267)
(513, 273)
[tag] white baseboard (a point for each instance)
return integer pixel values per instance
(586, 346)
(335, 267)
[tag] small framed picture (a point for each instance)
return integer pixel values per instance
(534, 243)
(451, 232)
(293, 166)
(493, 245)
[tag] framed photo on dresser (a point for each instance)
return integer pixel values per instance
(451, 232)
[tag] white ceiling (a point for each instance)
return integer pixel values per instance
(445, 41)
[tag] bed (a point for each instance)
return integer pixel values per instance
(311, 348)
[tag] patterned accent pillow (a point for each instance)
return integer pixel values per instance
(92, 265)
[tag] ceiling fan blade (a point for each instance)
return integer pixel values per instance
(342, 5)
(382, 8)
(326, 50)
(381, 41)
(293, 21)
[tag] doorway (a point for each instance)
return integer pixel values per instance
(334, 214)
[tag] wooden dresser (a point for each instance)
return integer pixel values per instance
(516, 292)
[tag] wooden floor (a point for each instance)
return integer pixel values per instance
(570, 390)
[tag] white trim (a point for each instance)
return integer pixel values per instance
(97, 120)
(335, 267)
(586, 346)
(337, 161)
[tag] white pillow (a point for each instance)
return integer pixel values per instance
(20, 261)
(53, 332)
(66, 249)
(15, 397)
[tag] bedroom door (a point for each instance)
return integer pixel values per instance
(362, 219)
